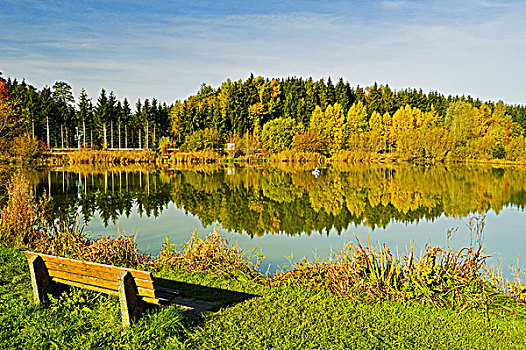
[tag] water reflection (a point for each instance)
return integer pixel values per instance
(288, 200)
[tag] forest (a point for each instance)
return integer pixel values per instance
(264, 115)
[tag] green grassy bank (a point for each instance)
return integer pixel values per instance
(263, 318)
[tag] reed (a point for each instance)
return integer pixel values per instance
(212, 254)
(356, 157)
(295, 156)
(111, 157)
(452, 277)
(22, 219)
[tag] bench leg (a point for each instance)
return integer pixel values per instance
(40, 280)
(128, 297)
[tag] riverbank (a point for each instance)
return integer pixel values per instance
(285, 317)
(362, 297)
(175, 157)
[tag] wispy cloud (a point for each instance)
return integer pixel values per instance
(393, 4)
(475, 47)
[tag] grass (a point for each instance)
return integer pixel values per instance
(295, 156)
(277, 318)
(197, 157)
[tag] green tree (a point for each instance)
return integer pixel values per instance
(357, 118)
(84, 113)
(278, 134)
(62, 94)
(462, 120)
(101, 116)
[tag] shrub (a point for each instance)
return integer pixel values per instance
(164, 144)
(207, 139)
(249, 144)
(309, 141)
(499, 152)
(213, 254)
(277, 134)
(24, 149)
(516, 149)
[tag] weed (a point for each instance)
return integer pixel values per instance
(23, 218)
(212, 254)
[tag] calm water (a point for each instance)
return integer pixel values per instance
(290, 213)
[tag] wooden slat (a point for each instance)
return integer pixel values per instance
(113, 285)
(156, 301)
(147, 284)
(82, 271)
(143, 292)
(86, 286)
(95, 282)
(91, 266)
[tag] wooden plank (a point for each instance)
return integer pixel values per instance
(148, 284)
(95, 282)
(84, 279)
(156, 301)
(86, 286)
(82, 271)
(91, 266)
(143, 293)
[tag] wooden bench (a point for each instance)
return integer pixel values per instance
(52, 274)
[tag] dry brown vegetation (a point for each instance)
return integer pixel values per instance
(356, 157)
(111, 157)
(211, 254)
(294, 156)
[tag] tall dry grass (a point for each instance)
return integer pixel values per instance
(211, 254)
(452, 277)
(295, 156)
(200, 157)
(357, 156)
(23, 218)
(111, 157)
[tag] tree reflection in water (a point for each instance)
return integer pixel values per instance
(285, 198)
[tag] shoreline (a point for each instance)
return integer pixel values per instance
(125, 157)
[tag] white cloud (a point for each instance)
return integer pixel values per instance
(170, 57)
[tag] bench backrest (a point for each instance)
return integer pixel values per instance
(94, 276)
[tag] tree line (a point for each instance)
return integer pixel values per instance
(52, 116)
(275, 115)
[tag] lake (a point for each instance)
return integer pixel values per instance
(290, 213)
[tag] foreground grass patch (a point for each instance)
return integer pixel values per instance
(292, 321)
(276, 317)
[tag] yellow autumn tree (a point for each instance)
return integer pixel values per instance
(330, 125)
(404, 131)
(356, 118)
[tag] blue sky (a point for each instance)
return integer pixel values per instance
(166, 49)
